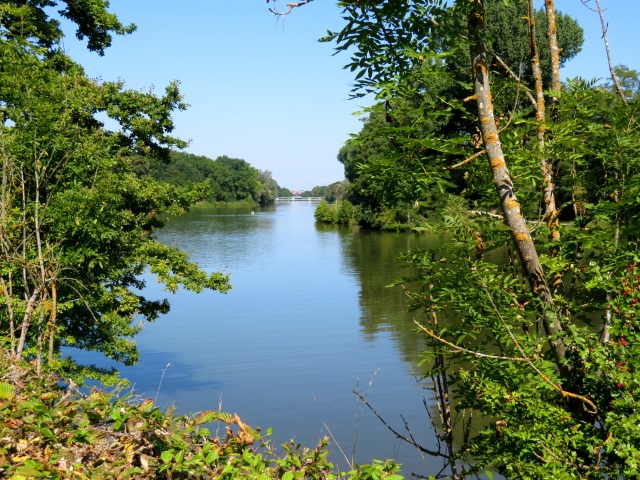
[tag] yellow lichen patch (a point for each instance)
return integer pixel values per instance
(485, 120)
(496, 162)
(481, 67)
(522, 237)
(491, 138)
(490, 97)
(511, 203)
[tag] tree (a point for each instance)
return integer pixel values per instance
(629, 81)
(239, 181)
(284, 192)
(76, 220)
(557, 396)
(268, 188)
(373, 159)
(325, 213)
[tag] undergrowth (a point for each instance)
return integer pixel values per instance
(50, 429)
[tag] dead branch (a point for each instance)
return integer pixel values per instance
(481, 212)
(512, 74)
(291, 7)
(614, 77)
(467, 160)
(433, 335)
(396, 433)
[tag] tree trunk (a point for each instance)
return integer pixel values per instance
(614, 77)
(550, 211)
(504, 185)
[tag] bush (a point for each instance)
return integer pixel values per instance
(325, 213)
(345, 212)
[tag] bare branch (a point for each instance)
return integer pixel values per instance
(493, 215)
(290, 5)
(433, 335)
(511, 73)
(614, 77)
(467, 160)
(395, 432)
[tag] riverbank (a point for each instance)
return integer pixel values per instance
(52, 429)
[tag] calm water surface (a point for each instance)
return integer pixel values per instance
(309, 319)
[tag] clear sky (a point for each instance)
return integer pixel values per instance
(264, 90)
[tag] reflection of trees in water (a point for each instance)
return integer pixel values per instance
(374, 258)
(205, 226)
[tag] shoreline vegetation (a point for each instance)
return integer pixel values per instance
(53, 429)
(509, 343)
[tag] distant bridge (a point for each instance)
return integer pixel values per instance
(299, 199)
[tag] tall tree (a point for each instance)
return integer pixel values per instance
(77, 222)
(557, 401)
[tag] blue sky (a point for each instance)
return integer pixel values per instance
(264, 90)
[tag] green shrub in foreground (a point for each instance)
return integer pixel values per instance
(56, 432)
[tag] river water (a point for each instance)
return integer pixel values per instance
(309, 319)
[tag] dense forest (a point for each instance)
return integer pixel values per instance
(227, 180)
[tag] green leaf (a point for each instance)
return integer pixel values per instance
(166, 456)
(6, 390)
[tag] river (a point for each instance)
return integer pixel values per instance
(309, 319)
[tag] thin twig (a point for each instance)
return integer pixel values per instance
(395, 432)
(338, 445)
(291, 7)
(164, 370)
(433, 335)
(467, 160)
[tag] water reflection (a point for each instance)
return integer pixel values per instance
(308, 320)
(373, 257)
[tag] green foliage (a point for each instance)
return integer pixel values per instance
(225, 179)
(629, 81)
(76, 215)
(52, 430)
(325, 213)
(345, 212)
(29, 22)
(552, 377)
(539, 423)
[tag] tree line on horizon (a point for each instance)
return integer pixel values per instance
(225, 179)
